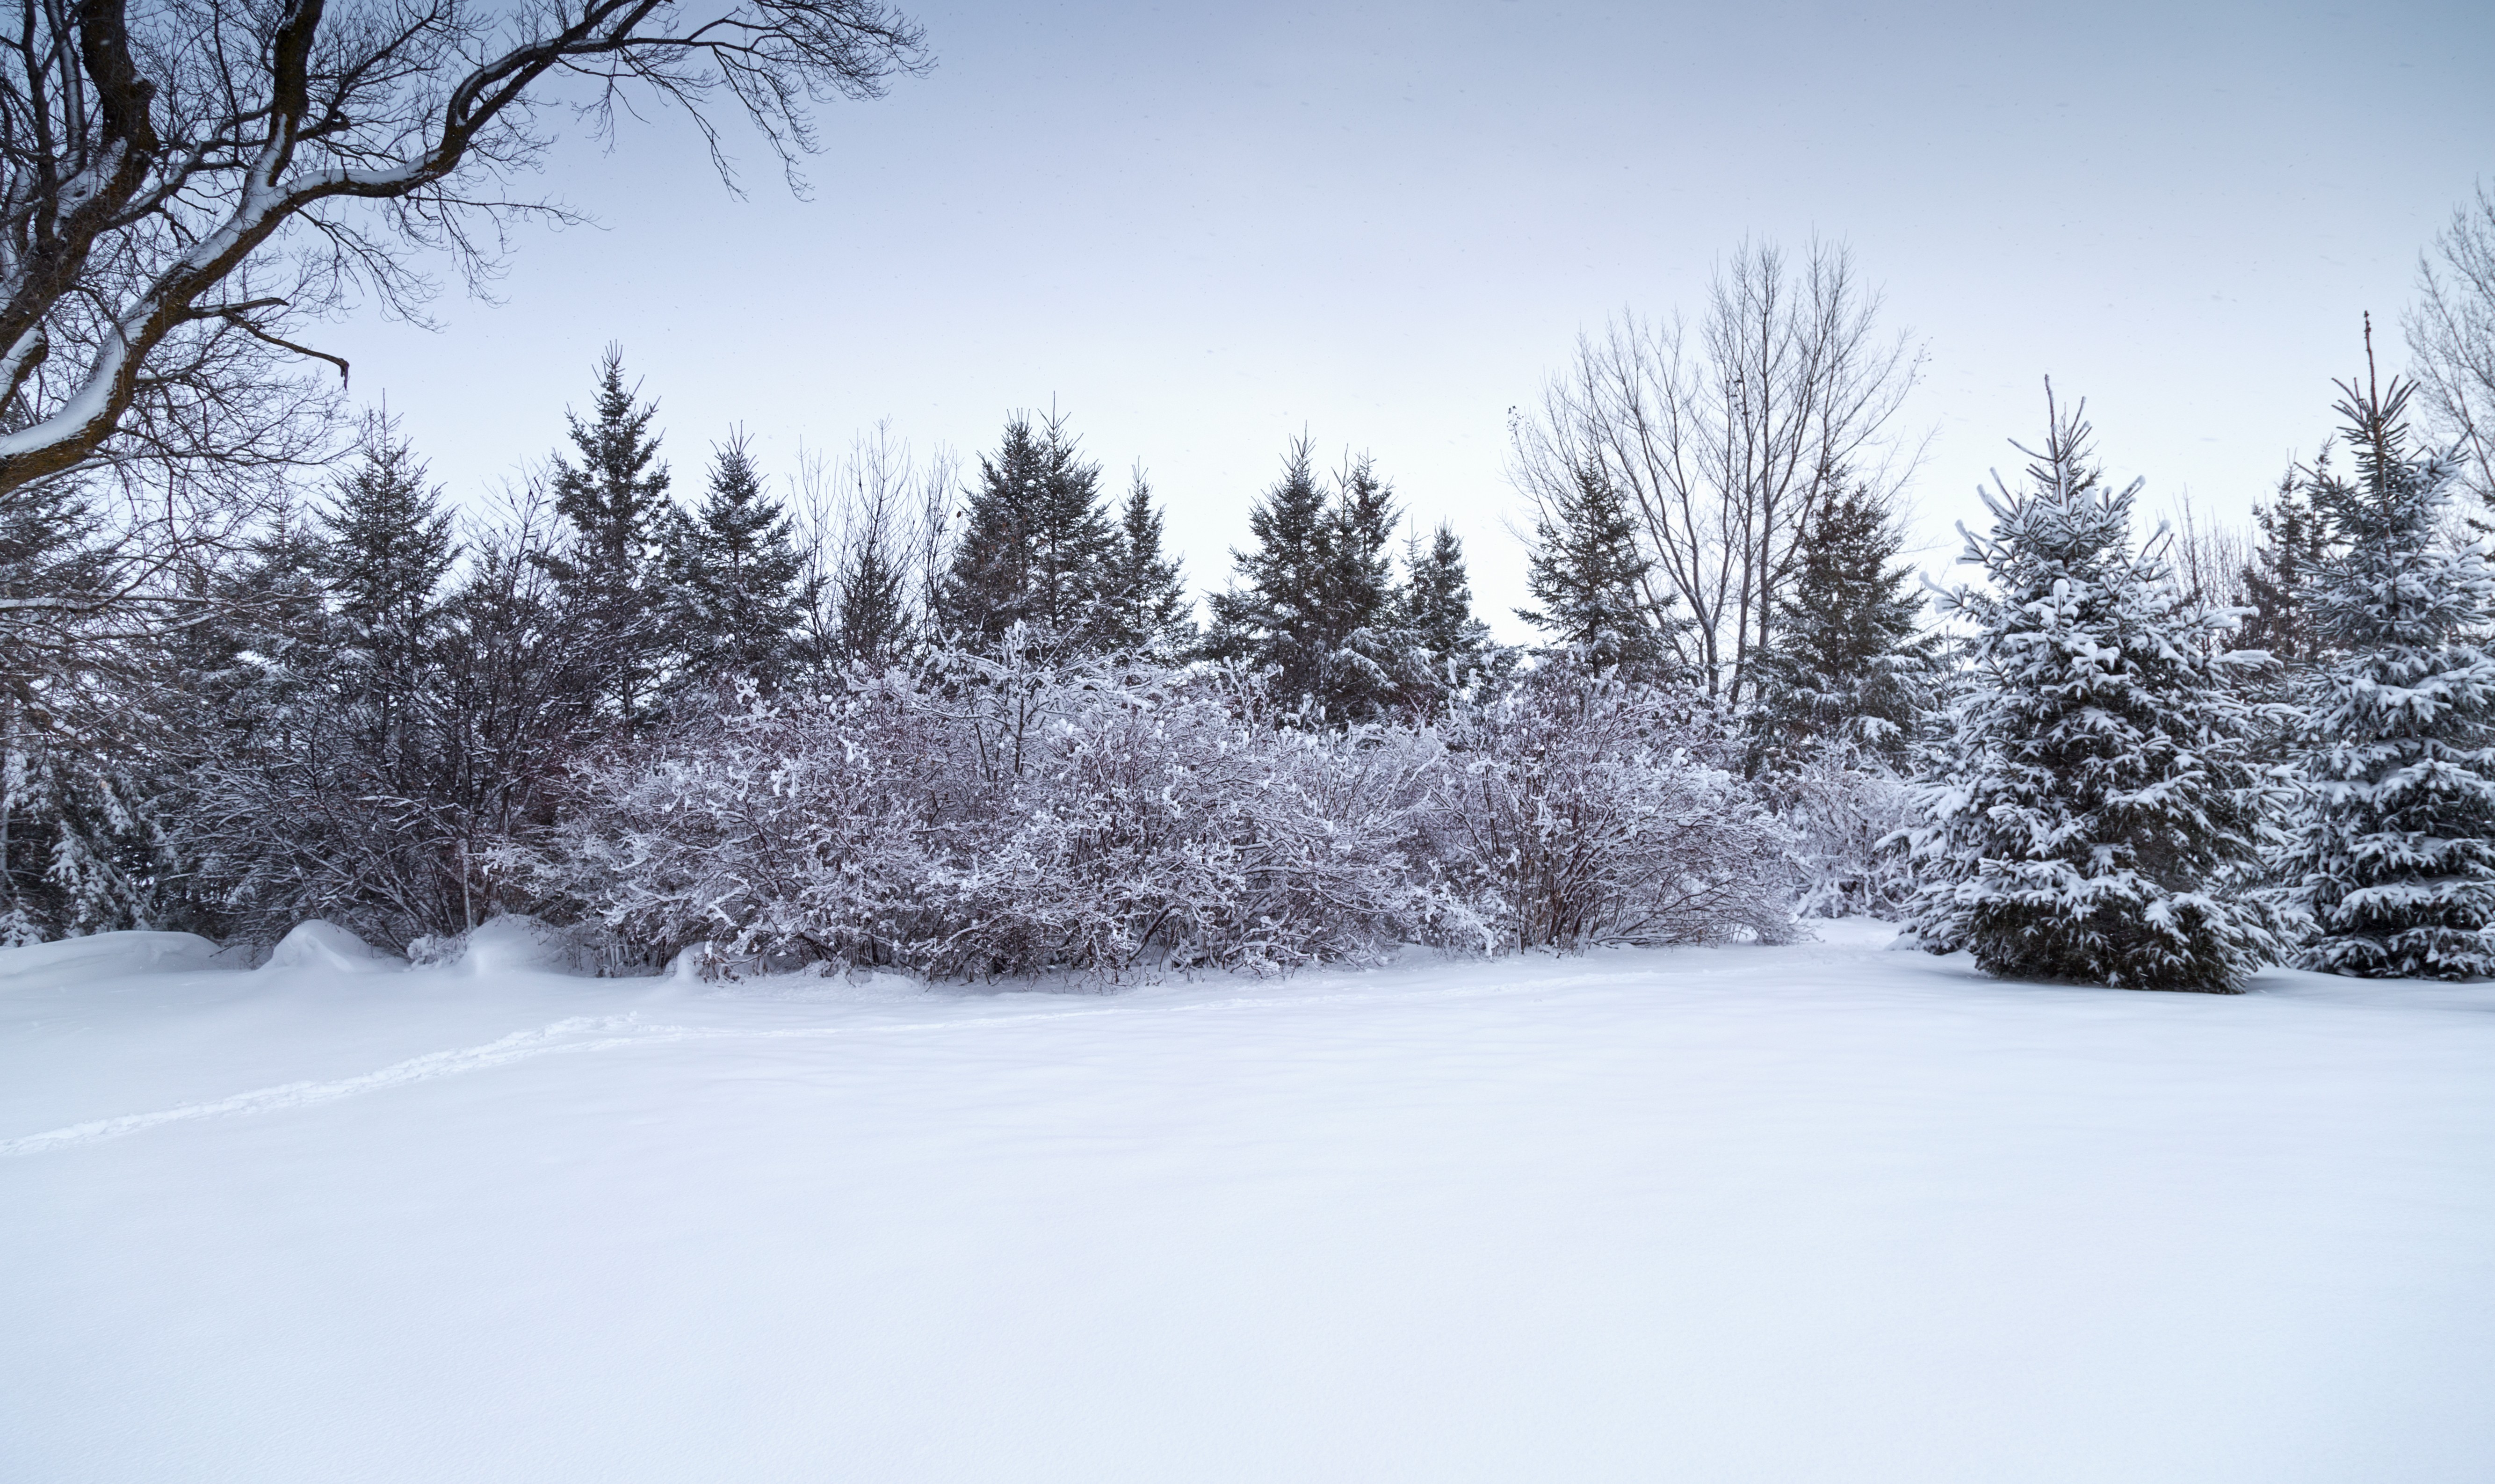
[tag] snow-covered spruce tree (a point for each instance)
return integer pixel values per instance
(325, 788)
(1145, 610)
(379, 728)
(1449, 646)
(80, 847)
(1840, 703)
(1370, 667)
(2096, 800)
(1313, 610)
(730, 601)
(2395, 858)
(83, 845)
(615, 499)
(260, 675)
(1037, 548)
(1850, 663)
(1587, 572)
(386, 549)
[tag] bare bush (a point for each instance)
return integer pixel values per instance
(1005, 819)
(1576, 812)
(1843, 806)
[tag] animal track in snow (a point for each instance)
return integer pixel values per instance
(582, 1033)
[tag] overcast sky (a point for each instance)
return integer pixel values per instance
(1200, 229)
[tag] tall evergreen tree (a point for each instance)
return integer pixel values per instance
(383, 735)
(1036, 547)
(1848, 665)
(1314, 603)
(616, 497)
(615, 501)
(83, 847)
(2396, 859)
(78, 845)
(732, 574)
(88, 779)
(54, 540)
(1586, 573)
(1369, 667)
(1147, 609)
(1273, 614)
(871, 601)
(1437, 618)
(337, 788)
(2295, 541)
(387, 549)
(2098, 799)
(271, 677)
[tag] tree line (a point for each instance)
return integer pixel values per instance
(888, 709)
(408, 722)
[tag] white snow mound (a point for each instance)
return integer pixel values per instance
(329, 948)
(103, 956)
(516, 943)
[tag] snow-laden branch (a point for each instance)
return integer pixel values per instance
(152, 156)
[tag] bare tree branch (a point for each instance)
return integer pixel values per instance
(1730, 446)
(155, 155)
(2452, 337)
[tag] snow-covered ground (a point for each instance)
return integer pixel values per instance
(1818, 1213)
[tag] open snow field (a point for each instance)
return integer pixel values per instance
(1818, 1213)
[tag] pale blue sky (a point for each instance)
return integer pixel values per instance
(1202, 229)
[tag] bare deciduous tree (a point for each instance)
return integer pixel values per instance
(1729, 436)
(877, 528)
(184, 183)
(2452, 337)
(2211, 559)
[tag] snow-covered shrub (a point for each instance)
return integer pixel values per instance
(1160, 825)
(1574, 811)
(1842, 808)
(797, 829)
(997, 816)
(1002, 815)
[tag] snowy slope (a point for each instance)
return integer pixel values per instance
(1819, 1213)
